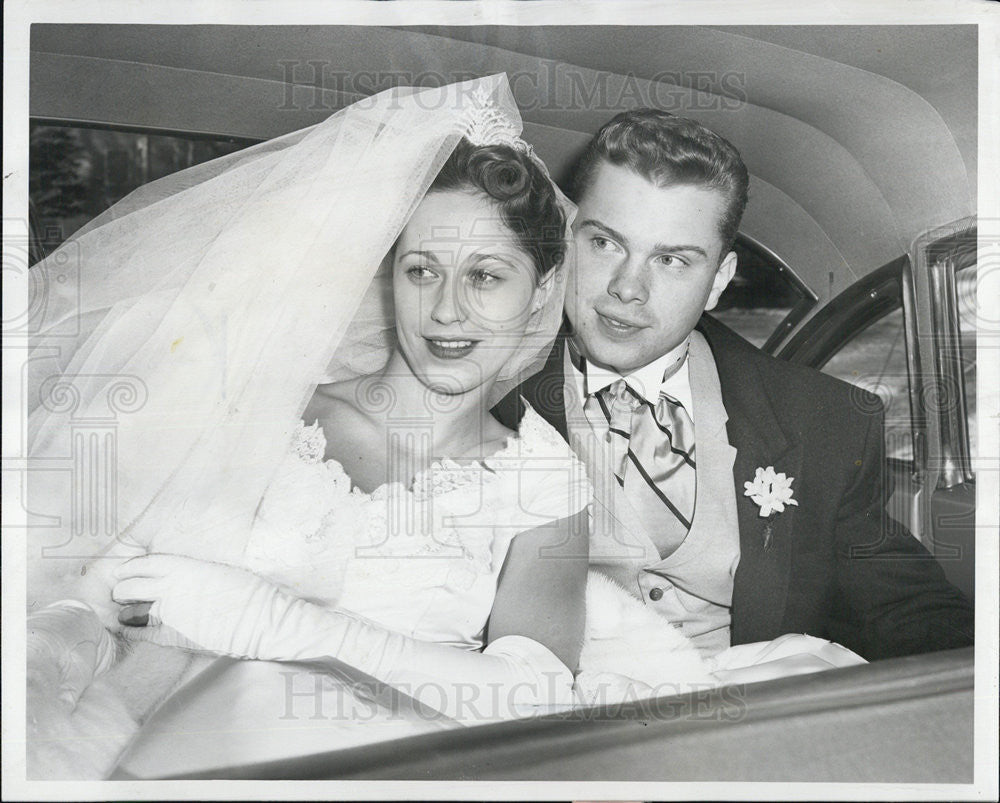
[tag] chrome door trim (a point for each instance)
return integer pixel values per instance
(918, 411)
(938, 255)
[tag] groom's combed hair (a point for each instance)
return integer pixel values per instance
(666, 149)
(523, 194)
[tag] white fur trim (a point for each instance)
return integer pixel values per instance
(623, 637)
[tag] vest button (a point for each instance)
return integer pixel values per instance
(656, 594)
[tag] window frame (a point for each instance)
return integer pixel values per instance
(40, 237)
(847, 317)
(807, 298)
(939, 256)
(181, 133)
(796, 314)
(925, 287)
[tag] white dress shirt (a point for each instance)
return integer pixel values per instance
(647, 381)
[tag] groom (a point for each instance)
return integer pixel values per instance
(673, 413)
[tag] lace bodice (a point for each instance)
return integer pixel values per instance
(422, 560)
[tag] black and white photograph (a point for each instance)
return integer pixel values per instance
(501, 400)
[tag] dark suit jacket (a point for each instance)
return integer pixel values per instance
(837, 566)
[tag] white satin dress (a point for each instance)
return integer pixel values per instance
(423, 561)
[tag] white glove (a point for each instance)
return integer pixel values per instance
(199, 605)
(226, 610)
(67, 647)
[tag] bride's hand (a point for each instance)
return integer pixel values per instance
(196, 604)
(233, 612)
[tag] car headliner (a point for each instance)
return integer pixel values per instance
(858, 138)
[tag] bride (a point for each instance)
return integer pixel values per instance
(384, 522)
(308, 475)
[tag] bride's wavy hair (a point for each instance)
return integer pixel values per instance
(521, 191)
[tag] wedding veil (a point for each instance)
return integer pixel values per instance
(168, 379)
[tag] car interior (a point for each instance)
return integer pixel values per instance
(857, 256)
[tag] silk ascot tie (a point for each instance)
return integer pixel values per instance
(652, 457)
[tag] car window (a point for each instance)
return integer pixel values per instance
(875, 360)
(77, 173)
(763, 295)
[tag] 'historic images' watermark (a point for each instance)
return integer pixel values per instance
(319, 85)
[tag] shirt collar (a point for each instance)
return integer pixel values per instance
(648, 380)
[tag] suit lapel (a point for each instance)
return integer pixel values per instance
(543, 391)
(761, 584)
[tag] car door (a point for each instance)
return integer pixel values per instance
(906, 332)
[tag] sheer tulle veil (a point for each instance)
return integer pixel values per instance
(208, 306)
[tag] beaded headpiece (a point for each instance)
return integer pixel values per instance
(489, 125)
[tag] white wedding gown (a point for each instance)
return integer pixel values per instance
(423, 561)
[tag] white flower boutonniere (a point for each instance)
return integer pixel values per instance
(771, 492)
